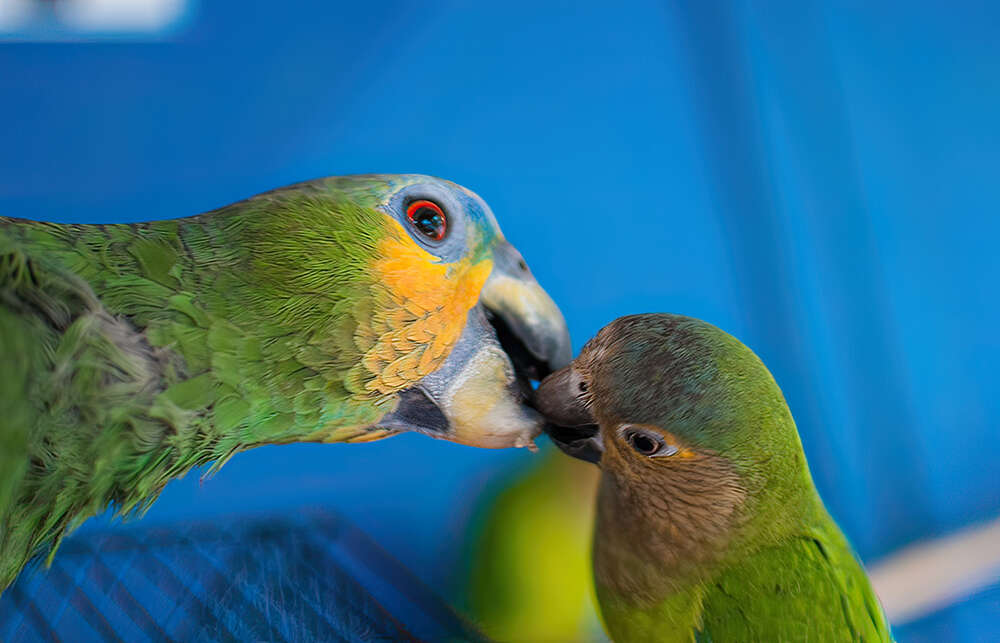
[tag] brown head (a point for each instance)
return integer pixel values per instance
(693, 438)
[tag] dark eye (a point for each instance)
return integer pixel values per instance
(428, 218)
(647, 443)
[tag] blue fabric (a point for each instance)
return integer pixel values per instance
(818, 178)
(302, 577)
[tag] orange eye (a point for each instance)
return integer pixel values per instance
(428, 218)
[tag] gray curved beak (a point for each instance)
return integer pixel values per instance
(527, 320)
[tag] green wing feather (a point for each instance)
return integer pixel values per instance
(136, 352)
(810, 588)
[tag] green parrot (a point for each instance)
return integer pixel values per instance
(342, 309)
(708, 525)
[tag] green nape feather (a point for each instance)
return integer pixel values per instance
(708, 527)
(132, 353)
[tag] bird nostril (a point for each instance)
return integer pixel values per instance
(522, 266)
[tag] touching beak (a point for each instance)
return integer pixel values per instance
(570, 424)
(481, 395)
(529, 325)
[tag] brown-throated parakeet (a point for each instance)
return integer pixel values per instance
(708, 525)
(336, 310)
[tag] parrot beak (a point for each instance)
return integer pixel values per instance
(569, 424)
(481, 395)
(528, 323)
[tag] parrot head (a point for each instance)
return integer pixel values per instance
(650, 391)
(692, 435)
(438, 322)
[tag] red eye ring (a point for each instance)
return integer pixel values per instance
(428, 219)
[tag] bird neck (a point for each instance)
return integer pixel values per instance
(654, 550)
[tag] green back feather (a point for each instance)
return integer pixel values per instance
(133, 353)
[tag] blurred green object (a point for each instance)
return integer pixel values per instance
(528, 576)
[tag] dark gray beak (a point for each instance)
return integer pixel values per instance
(568, 421)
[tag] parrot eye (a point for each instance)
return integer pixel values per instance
(428, 218)
(647, 443)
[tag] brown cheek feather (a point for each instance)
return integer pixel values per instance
(677, 513)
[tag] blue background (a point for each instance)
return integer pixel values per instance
(819, 179)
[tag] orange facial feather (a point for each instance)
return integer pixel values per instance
(428, 302)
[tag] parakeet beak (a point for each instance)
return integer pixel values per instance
(569, 422)
(481, 395)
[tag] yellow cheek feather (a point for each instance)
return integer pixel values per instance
(420, 311)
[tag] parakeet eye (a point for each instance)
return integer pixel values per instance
(428, 218)
(647, 443)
